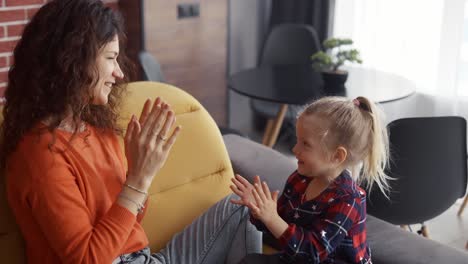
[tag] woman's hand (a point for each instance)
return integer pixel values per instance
(243, 188)
(147, 143)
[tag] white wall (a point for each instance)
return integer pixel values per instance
(247, 25)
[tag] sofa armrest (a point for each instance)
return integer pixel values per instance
(249, 158)
(392, 245)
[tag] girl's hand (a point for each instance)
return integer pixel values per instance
(243, 188)
(264, 208)
(147, 143)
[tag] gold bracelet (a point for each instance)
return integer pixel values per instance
(140, 207)
(136, 189)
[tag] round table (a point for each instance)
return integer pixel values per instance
(300, 84)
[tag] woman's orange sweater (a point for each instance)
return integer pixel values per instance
(64, 202)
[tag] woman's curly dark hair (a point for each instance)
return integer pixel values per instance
(54, 70)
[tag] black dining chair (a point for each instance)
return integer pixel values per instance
(286, 44)
(151, 67)
(429, 167)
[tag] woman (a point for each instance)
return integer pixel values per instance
(72, 197)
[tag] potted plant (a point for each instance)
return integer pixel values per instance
(330, 61)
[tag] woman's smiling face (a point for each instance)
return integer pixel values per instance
(109, 70)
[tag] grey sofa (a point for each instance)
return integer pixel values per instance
(389, 244)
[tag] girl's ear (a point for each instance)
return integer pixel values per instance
(340, 155)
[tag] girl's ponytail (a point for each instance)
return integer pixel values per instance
(375, 162)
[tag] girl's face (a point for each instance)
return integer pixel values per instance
(109, 71)
(313, 160)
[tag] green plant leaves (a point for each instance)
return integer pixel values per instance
(331, 60)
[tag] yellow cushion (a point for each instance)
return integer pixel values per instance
(195, 176)
(197, 172)
(268, 250)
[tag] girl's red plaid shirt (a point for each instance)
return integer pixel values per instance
(330, 228)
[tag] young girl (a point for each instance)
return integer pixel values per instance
(321, 214)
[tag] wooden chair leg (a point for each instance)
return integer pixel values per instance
(278, 122)
(424, 231)
(462, 207)
(267, 133)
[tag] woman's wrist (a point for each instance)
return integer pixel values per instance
(139, 183)
(136, 189)
(132, 200)
(132, 207)
(134, 195)
(139, 206)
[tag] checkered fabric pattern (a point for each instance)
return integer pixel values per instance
(330, 228)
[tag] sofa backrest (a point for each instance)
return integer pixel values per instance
(195, 176)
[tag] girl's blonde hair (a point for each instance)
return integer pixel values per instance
(357, 126)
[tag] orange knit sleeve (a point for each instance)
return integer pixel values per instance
(61, 213)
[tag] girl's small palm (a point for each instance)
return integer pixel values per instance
(265, 208)
(243, 188)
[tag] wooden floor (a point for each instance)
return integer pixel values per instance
(450, 229)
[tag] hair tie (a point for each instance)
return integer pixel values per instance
(361, 105)
(356, 102)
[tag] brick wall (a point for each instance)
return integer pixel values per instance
(14, 15)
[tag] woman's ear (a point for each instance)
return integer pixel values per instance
(340, 155)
